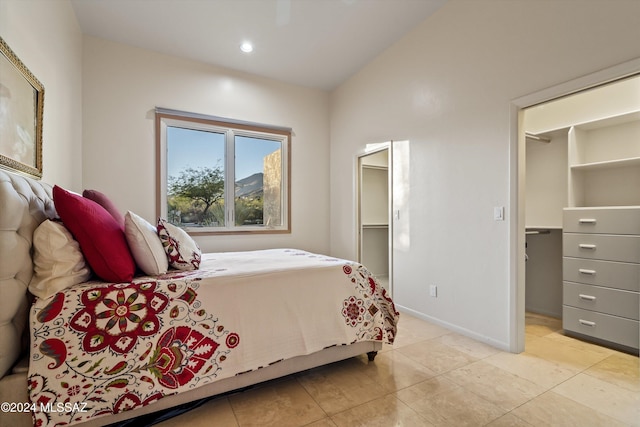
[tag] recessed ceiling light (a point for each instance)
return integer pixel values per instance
(246, 47)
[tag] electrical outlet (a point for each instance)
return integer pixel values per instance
(433, 291)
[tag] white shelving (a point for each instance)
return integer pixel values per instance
(375, 226)
(604, 159)
(608, 164)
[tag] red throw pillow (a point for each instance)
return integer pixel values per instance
(105, 202)
(101, 238)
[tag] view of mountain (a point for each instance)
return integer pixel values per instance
(250, 186)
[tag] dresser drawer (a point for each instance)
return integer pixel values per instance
(610, 274)
(602, 246)
(603, 300)
(602, 326)
(622, 220)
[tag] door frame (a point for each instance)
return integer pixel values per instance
(371, 149)
(517, 188)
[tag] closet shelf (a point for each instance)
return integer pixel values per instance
(535, 232)
(609, 164)
(617, 119)
(542, 227)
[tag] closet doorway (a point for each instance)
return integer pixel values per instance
(374, 217)
(583, 212)
(576, 159)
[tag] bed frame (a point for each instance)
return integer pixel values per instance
(24, 204)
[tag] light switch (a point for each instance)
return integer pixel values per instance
(498, 213)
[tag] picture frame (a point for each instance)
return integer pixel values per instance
(21, 111)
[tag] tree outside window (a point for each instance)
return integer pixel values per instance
(223, 179)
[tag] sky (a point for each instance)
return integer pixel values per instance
(193, 148)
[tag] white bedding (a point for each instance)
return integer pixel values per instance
(104, 348)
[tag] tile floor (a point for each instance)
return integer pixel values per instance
(434, 377)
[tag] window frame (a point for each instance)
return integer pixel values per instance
(165, 118)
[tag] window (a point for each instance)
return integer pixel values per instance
(222, 176)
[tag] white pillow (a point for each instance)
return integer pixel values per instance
(182, 251)
(145, 245)
(58, 260)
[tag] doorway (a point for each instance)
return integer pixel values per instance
(374, 217)
(518, 204)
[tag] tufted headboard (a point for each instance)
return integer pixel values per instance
(24, 204)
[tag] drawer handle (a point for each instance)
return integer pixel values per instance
(587, 323)
(585, 271)
(587, 220)
(586, 246)
(587, 297)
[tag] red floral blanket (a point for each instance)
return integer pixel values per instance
(101, 348)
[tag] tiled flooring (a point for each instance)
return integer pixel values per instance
(432, 376)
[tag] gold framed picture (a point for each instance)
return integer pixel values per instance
(21, 110)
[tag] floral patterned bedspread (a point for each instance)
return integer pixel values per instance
(100, 348)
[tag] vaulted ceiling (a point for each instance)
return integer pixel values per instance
(313, 43)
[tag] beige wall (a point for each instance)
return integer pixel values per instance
(447, 87)
(123, 85)
(46, 37)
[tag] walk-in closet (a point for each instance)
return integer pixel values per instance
(583, 212)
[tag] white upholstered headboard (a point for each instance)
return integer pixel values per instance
(24, 204)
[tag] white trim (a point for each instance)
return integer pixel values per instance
(186, 114)
(462, 331)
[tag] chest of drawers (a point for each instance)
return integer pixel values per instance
(601, 274)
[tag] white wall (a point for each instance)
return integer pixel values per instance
(546, 180)
(447, 87)
(46, 37)
(123, 85)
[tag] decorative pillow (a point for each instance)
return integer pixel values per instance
(182, 251)
(145, 245)
(100, 237)
(105, 202)
(58, 261)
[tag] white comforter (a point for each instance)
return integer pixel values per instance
(102, 348)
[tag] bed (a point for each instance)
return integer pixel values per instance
(100, 352)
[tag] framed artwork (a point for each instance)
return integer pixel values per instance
(21, 109)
